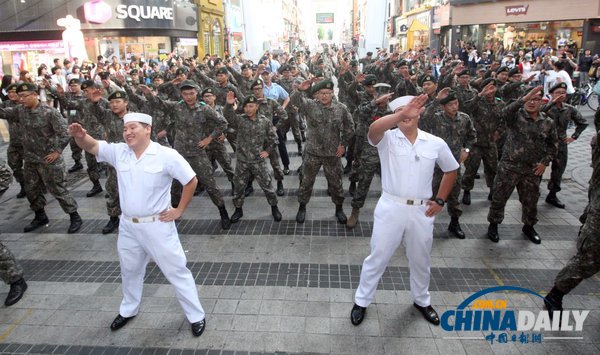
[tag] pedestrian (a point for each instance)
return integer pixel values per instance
(147, 228)
(404, 212)
(14, 153)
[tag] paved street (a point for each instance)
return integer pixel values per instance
(286, 288)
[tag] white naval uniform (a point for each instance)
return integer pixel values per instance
(406, 173)
(144, 192)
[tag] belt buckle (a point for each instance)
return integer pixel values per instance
(410, 202)
(135, 220)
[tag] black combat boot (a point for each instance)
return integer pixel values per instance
(466, 197)
(493, 232)
(237, 214)
(553, 200)
(111, 226)
(280, 190)
(17, 290)
(454, 228)
(301, 215)
(22, 193)
(75, 223)
(352, 188)
(531, 234)
(303, 136)
(232, 189)
(276, 214)
(39, 220)
(299, 143)
(96, 189)
(249, 189)
(225, 221)
(340, 215)
(490, 196)
(286, 170)
(76, 167)
(348, 167)
(553, 301)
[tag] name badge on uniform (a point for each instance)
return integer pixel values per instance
(72, 112)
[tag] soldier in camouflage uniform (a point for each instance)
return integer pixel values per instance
(347, 76)
(293, 119)
(192, 137)
(14, 153)
(244, 79)
(74, 93)
(464, 91)
(562, 114)
(368, 112)
(170, 89)
(485, 109)
(531, 144)
(515, 87)
(456, 129)
(84, 106)
(221, 84)
(586, 262)
(330, 128)
(404, 85)
(216, 150)
(112, 120)
(255, 145)
(45, 137)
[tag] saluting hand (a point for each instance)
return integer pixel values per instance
(230, 98)
(75, 130)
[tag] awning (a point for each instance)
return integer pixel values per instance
(417, 25)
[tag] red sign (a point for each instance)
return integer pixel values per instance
(516, 10)
(32, 46)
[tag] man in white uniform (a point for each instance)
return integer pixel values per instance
(404, 212)
(147, 229)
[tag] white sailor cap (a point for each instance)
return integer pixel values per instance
(400, 102)
(137, 117)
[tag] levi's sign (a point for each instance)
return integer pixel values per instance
(516, 10)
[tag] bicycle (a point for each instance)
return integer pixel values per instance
(585, 96)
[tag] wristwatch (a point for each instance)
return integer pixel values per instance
(440, 201)
(466, 150)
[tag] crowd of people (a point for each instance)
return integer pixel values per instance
(509, 112)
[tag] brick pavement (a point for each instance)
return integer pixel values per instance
(286, 288)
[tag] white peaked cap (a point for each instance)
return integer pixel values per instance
(400, 102)
(137, 117)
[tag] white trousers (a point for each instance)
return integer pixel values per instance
(159, 241)
(393, 224)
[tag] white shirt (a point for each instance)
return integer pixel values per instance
(407, 169)
(145, 184)
(563, 77)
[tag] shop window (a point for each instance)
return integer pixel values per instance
(217, 37)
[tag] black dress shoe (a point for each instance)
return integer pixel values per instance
(554, 201)
(96, 189)
(286, 171)
(493, 233)
(466, 200)
(17, 290)
(76, 167)
(301, 215)
(198, 327)
(358, 314)
(76, 223)
(340, 215)
(40, 219)
(280, 190)
(111, 226)
(531, 234)
(429, 314)
(237, 214)
(454, 229)
(119, 322)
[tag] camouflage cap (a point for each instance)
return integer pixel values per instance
(118, 95)
(188, 84)
(323, 84)
(180, 71)
(464, 72)
(428, 78)
(157, 76)
(134, 72)
(451, 97)
(353, 63)
(502, 69)
(488, 81)
(75, 81)
(257, 82)
(26, 86)
(12, 87)
(208, 91)
(513, 71)
(402, 63)
(370, 79)
(558, 86)
(251, 99)
(222, 70)
(245, 66)
(89, 84)
(104, 75)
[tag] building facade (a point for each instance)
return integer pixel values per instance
(211, 31)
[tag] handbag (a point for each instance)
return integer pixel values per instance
(596, 88)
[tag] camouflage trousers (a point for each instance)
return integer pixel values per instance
(293, 123)
(528, 188)
(232, 139)
(219, 153)
(275, 165)
(41, 176)
(369, 165)
(6, 177)
(10, 271)
(204, 172)
(332, 166)
(14, 158)
(92, 167)
(586, 263)
(350, 150)
(559, 164)
(359, 143)
(259, 171)
(452, 201)
(76, 152)
(113, 206)
(489, 156)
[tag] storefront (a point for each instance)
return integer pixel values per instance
(212, 31)
(418, 32)
(148, 29)
(514, 23)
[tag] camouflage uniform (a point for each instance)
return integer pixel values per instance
(272, 110)
(217, 151)
(45, 131)
(486, 120)
(459, 134)
(92, 126)
(511, 91)
(220, 91)
(191, 126)
(328, 128)
(10, 271)
(73, 116)
(463, 95)
(259, 135)
(160, 120)
(586, 262)
(293, 119)
(562, 117)
(243, 82)
(360, 118)
(14, 153)
(368, 160)
(5, 177)
(528, 143)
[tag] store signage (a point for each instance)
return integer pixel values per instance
(516, 10)
(140, 13)
(32, 46)
(326, 17)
